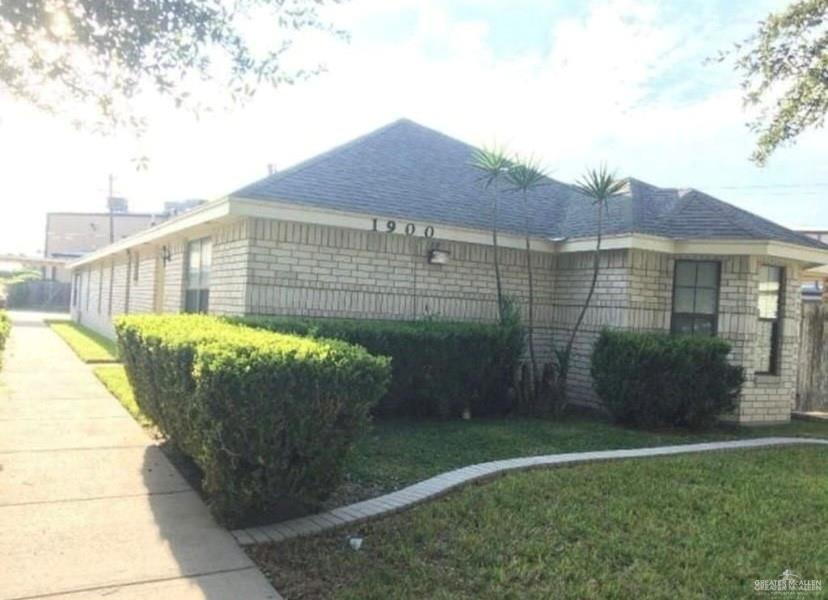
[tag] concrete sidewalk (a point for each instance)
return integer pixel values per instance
(89, 506)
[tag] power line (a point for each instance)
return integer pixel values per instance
(768, 186)
(771, 193)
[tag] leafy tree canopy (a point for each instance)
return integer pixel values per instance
(784, 69)
(91, 59)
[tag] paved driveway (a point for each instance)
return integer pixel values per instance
(89, 506)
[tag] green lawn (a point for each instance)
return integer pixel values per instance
(400, 452)
(698, 526)
(91, 347)
(115, 380)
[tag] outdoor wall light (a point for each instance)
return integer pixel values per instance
(438, 257)
(166, 255)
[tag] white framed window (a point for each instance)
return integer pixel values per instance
(199, 263)
(696, 297)
(771, 286)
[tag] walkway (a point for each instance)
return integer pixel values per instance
(441, 484)
(89, 506)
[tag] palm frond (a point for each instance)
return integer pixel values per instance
(600, 184)
(491, 162)
(525, 174)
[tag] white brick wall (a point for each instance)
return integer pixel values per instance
(297, 269)
(293, 267)
(142, 291)
(232, 257)
(764, 398)
(173, 272)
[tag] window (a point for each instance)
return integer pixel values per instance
(695, 297)
(100, 288)
(770, 307)
(199, 261)
(76, 289)
(111, 287)
(88, 287)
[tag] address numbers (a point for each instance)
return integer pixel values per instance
(392, 226)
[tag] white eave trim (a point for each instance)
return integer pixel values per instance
(297, 213)
(810, 256)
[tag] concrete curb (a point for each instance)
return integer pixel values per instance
(445, 482)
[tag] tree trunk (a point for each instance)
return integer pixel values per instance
(596, 266)
(496, 259)
(533, 367)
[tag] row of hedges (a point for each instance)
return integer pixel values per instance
(662, 380)
(267, 417)
(438, 368)
(5, 329)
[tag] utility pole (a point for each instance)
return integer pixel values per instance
(111, 208)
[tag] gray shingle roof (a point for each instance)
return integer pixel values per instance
(405, 170)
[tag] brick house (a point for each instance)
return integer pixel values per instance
(394, 225)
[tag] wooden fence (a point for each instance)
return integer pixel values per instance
(812, 384)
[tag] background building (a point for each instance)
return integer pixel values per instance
(814, 280)
(71, 234)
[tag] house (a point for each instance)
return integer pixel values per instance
(395, 225)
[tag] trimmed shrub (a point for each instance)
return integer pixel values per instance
(267, 417)
(657, 379)
(438, 368)
(5, 330)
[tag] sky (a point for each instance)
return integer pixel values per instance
(572, 83)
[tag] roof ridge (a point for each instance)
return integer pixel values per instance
(328, 154)
(681, 207)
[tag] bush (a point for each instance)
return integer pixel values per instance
(267, 417)
(656, 379)
(438, 368)
(5, 330)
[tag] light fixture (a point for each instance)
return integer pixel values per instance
(557, 240)
(438, 257)
(166, 255)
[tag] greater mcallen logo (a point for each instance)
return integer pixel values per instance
(787, 583)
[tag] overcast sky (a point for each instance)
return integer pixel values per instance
(573, 83)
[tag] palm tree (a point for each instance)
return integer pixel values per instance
(600, 185)
(525, 175)
(493, 165)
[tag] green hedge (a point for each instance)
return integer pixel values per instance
(267, 417)
(657, 380)
(5, 330)
(438, 368)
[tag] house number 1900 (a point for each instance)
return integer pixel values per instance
(409, 229)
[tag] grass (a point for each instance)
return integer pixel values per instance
(115, 380)
(91, 347)
(400, 452)
(699, 526)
